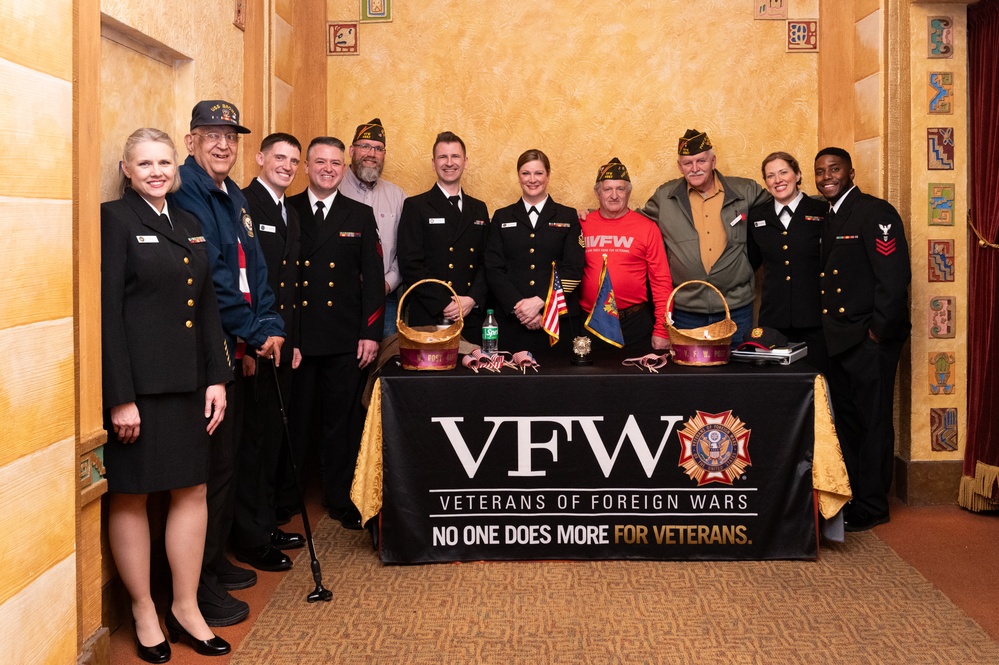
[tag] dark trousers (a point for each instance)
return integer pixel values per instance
(263, 432)
(331, 384)
(862, 387)
(221, 481)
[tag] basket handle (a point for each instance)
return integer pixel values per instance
(398, 314)
(669, 303)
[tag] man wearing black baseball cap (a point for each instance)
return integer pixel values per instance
(246, 302)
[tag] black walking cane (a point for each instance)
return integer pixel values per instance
(320, 592)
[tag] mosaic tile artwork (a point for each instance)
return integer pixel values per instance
(941, 204)
(940, 92)
(376, 11)
(342, 38)
(803, 35)
(941, 260)
(769, 10)
(943, 429)
(941, 374)
(942, 317)
(940, 148)
(940, 37)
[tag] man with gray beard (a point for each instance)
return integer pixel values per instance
(363, 182)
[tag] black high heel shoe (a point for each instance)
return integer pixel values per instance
(154, 654)
(213, 647)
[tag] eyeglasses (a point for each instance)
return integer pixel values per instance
(362, 147)
(215, 137)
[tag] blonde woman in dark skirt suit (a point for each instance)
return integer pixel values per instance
(165, 367)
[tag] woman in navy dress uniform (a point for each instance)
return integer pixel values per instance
(524, 239)
(785, 237)
(165, 365)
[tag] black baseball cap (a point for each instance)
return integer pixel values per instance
(217, 112)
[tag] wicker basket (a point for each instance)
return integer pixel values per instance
(428, 347)
(705, 346)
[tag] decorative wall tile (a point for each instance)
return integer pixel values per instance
(943, 429)
(342, 38)
(942, 317)
(941, 204)
(940, 92)
(941, 374)
(803, 35)
(940, 37)
(376, 11)
(940, 148)
(769, 10)
(941, 260)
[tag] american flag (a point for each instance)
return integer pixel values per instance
(554, 307)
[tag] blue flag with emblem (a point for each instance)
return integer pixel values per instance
(604, 321)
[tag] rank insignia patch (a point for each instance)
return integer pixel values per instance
(247, 223)
(714, 448)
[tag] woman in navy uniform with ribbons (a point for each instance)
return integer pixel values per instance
(165, 364)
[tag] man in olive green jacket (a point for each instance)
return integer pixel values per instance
(703, 218)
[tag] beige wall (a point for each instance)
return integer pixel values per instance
(583, 81)
(38, 611)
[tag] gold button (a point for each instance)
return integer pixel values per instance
(469, 284)
(841, 310)
(532, 266)
(839, 290)
(783, 233)
(787, 279)
(450, 265)
(471, 266)
(305, 303)
(835, 272)
(190, 303)
(329, 303)
(282, 306)
(187, 260)
(450, 249)
(825, 311)
(471, 249)
(785, 247)
(306, 264)
(305, 283)
(531, 282)
(282, 285)
(787, 263)
(532, 235)
(822, 274)
(296, 262)
(331, 283)
(822, 292)
(190, 280)
(285, 262)
(532, 250)
(332, 265)
(189, 324)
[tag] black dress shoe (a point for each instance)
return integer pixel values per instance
(859, 520)
(283, 540)
(283, 515)
(213, 647)
(349, 519)
(232, 577)
(264, 557)
(155, 654)
(219, 608)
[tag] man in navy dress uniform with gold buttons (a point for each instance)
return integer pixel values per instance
(442, 235)
(339, 324)
(865, 316)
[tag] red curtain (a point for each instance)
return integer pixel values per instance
(981, 458)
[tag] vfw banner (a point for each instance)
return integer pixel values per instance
(690, 465)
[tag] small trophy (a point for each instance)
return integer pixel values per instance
(581, 348)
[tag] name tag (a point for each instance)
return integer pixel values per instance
(267, 228)
(508, 225)
(760, 222)
(436, 220)
(738, 219)
(145, 239)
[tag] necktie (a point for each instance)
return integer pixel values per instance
(281, 213)
(533, 214)
(454, 201)
(320, 217)
(786, 210)
(166, 218)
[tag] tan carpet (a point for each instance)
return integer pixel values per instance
(860, 603)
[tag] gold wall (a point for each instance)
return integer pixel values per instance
(38, 608)
(583, 81)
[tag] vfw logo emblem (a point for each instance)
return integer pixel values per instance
(714, 448)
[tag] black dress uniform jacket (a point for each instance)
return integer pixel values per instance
(438, 241)
(865, 273)
(519, 256)
(792, 260)
(281, 244)
(161, 327)
(342, 284)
